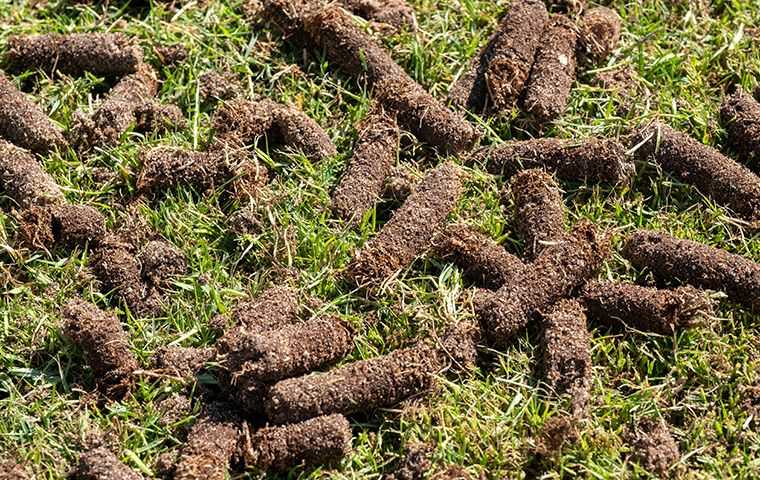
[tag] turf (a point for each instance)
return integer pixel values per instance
(684, 54)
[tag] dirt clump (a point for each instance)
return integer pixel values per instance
(483, 261)
(644, 308)
(244, 119)
(24, 180)
(316, 441)
(182, 362)
(399, 184)
(210, 446)
(740, 114)
(371, 163)
(106, 54)
(12, 470)
(539, 210)
(593, 160)
(551, 78)
(411, 229)
(295, 129)
(171, 55)
(101, 464)
(23, 122)
(155, 117)
(751, 402)
(415, 464)
(599, 34)
(454, 473)
(711, 172)
(396, 13)
(64, 225)
(160, 262)
(174, 409)
(273, 308)
(696, 264)
(654, 448)
(105, 345)
(215, 85)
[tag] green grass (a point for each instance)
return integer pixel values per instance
(684, 53)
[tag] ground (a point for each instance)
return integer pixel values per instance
(683, 55)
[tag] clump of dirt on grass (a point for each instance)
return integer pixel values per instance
(411, 229)
(372, 161)
(551, 78)
(273, 308)
(497, 74)
(155, 117)
(454, 473)
(653, 446)
(572, 7)
(106, 54)
(751, 402)
(396, 13)
(182, 362)
(539, 210)
(295, 129)
(101, 464)
(483, 261)
(219, 86)
(13, 470)
(173, 409)
(317, 441)
(556, 272)
(740, 114)
(23, 122)
(599, 34)
(161, 261)
(711, 172)
(696, 264)
(399, 184)
(210, 446)
(171, 55)
(105, 344)
(415, 464)
(24, 180)
(646, 309)
(556, 432)
(594, 160)
(64, 225)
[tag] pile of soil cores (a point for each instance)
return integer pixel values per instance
(396, 13)
(105, 345)
(654, 448)
(105, 54)
(645, 309)
(566, 357)
(711, 172)
(696, 264)
(318, 441)
(24, 123)
(371, 163)
(210, 446)
(483, 262)
(497, 74)
(594, 160)
(599, 34)
(273, 308)
(740, 114)
(23, 179)
(411, 229)
(101, 464)
(560, 269)
(551, 78)
(539, 210)
(63, 225)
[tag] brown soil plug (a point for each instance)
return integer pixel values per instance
(740, 114)
(696, 264)
(497, 74)
(483, 261)
(107, 54)
(23, 179)
(559, 270)
(593, 160)
(64, 225)
(372, 161)
(399, 185)
(539, 210)
(654, 448)
(105, 344)
(317, 441)
(210, 445)
(551, 78)
(183, 362)
(273, 308)
(24, 123)
(101, 464)
(411, 229)
(161, 261)
(645, 309)
(599, 34)
(396, 13)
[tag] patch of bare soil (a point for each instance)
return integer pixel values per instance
(740, 114)
(105, 344)
(106, 54)
(646, 309)
(653, 446)
(101, 464)
(396, 13)
(696, 264)
(371, 163)
(210, 445)
(411, 229)
(24, 180)
(711, 172)
(318, 441)
(182, 362)
(599, 34)
(539, 210)
(64, 225)
(23, 122)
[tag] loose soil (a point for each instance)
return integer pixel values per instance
(273, 308)
(483, 261)
(654, 447)
(740, 114)
(400, 184)
(711, 172)
(154, 117)
(210, 445)
(171, 55)
(415, 464)
(599, 34)
(411, 229)
(24, 180)
(63, 225)
(295, 129)
(551, 78)
(317, 441)
(174, 409)
(106, 54)
(101, 464)
(182, 362)
(539, 210)
(371, 163)
(396, 13)
(23, 122)
(696, 264)
(646, 309)
(13, 470)
(457, 349)
(161, 262)
(219, 86)
(105, 345)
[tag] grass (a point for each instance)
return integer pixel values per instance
(684, 55)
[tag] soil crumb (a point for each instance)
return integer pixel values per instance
(161, 262)
(171, 55)
(654, 447)
(599, 34)
(64, 225)
(411, 229)
(539, 210)
(219, 86)
(101, 464)
(399, 184)
(106, 54)
(295, 129)
(318, 441)
(592, 160)
(13, 470)
(371, 163)
(24, 180)
(173, 409)
(696, 264)
(396, 13)
(711, 172)
(454, 473)
(182, 362)
(740, 114)
(105, 345)
(23, 122)
(646, 309)
(483, 261)
(751, 402)
(557, 432)
(415, 464)
(210, 445)
(273, 308)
